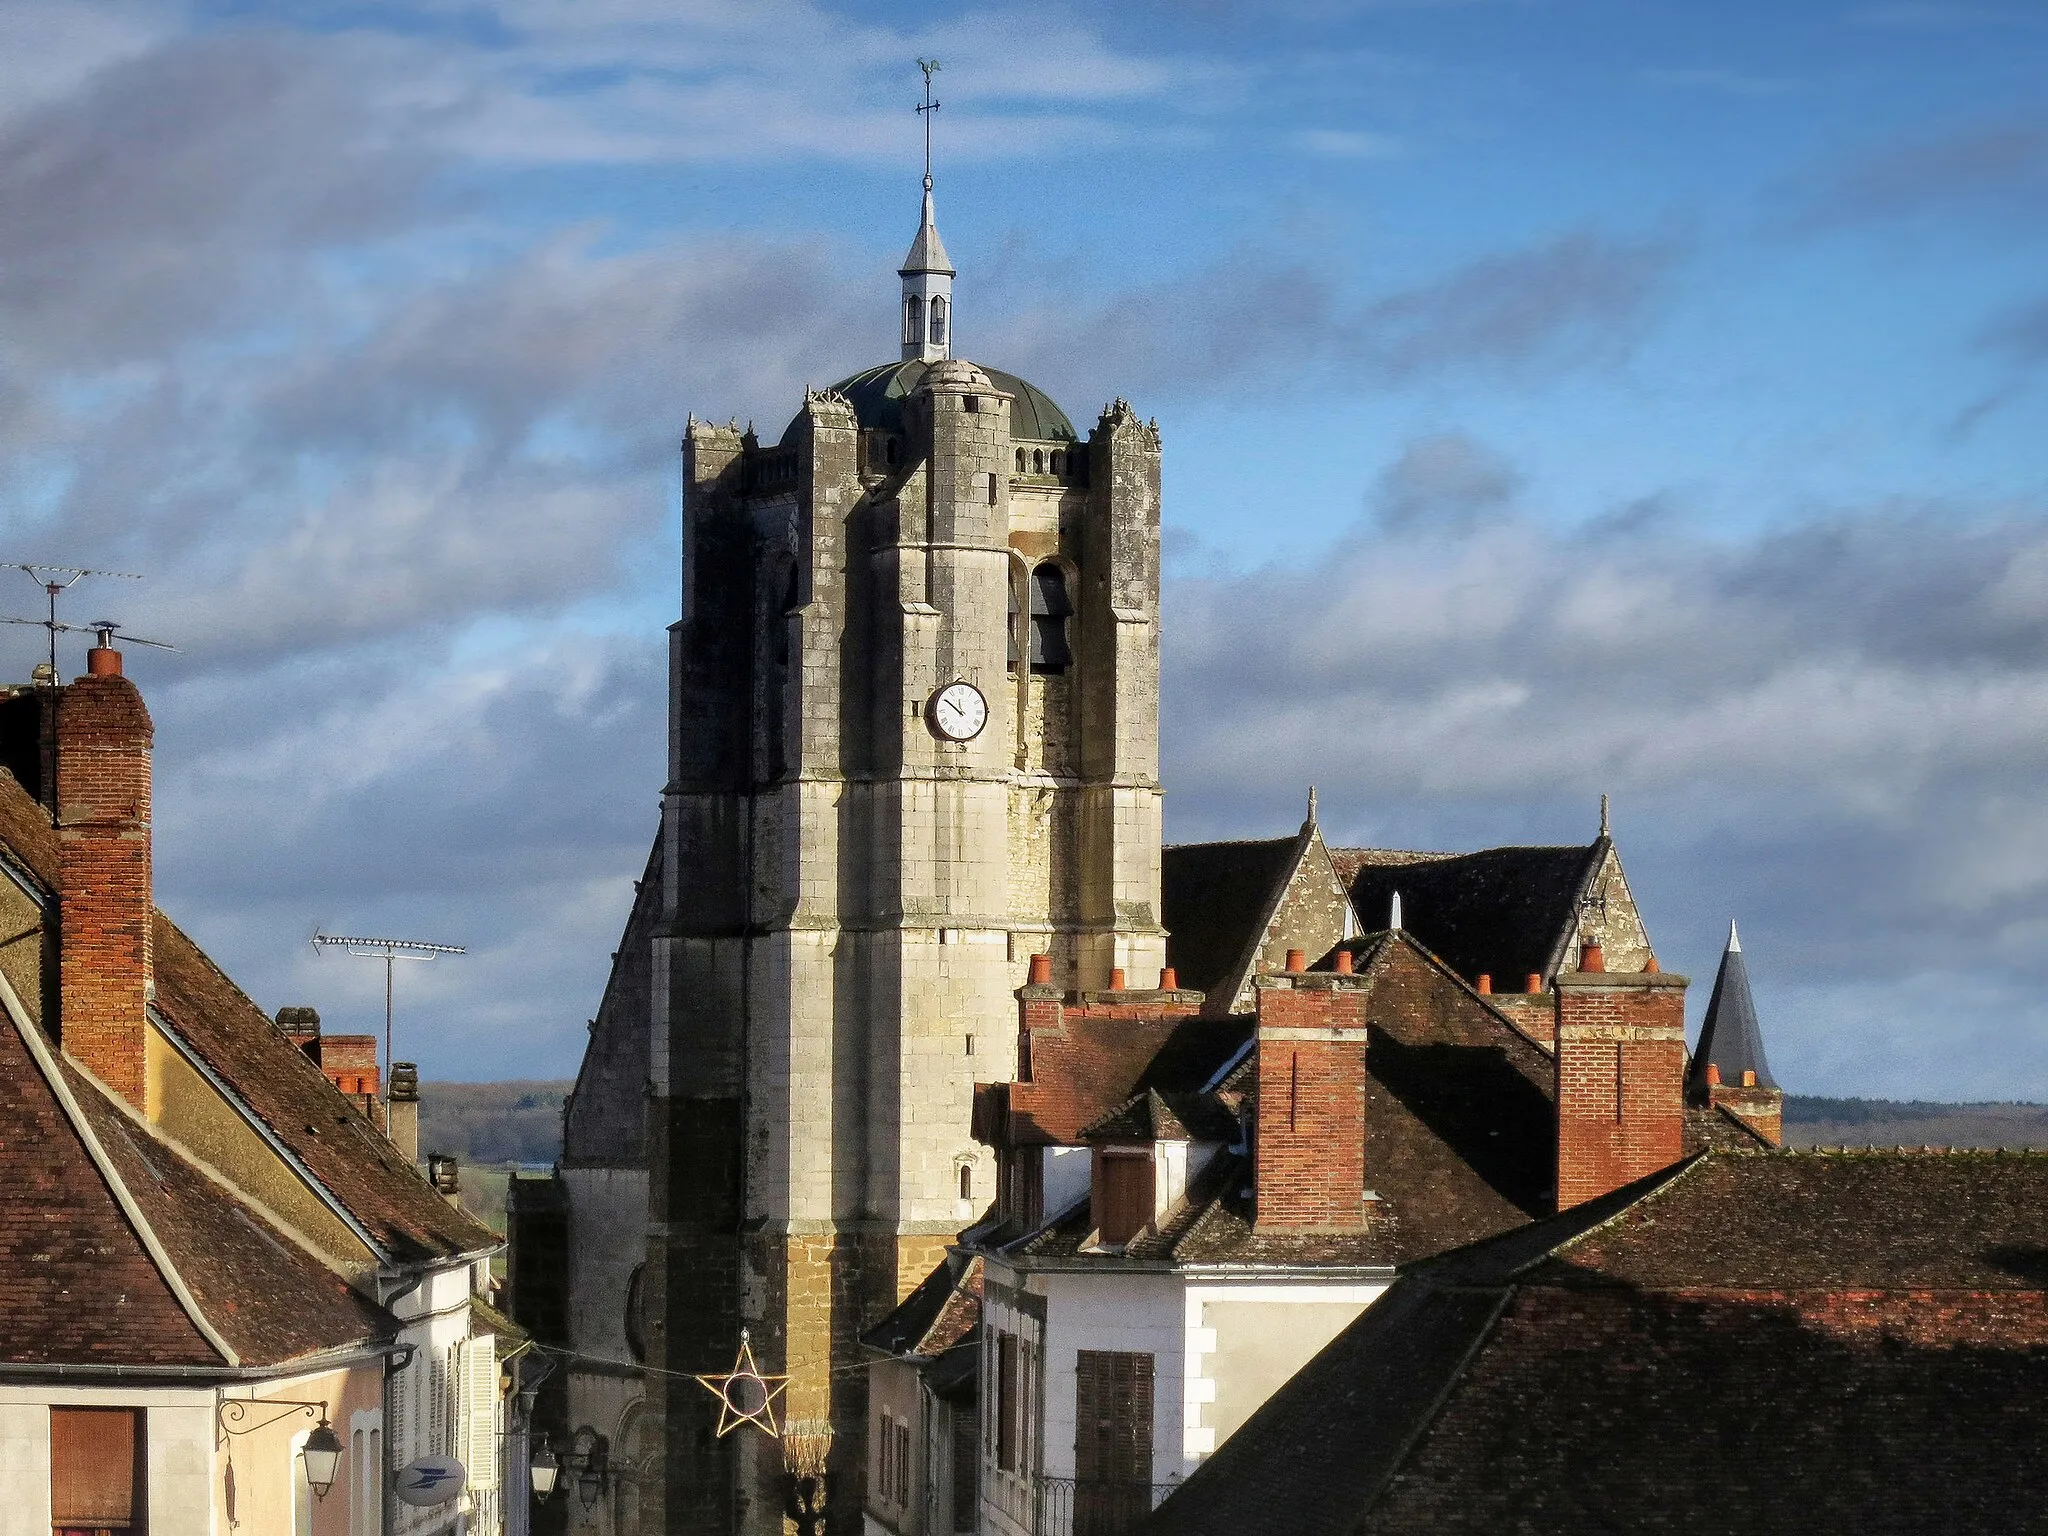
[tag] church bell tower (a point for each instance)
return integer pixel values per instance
(913, 741)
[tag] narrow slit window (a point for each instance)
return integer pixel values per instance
(967, 1181)
(1016, 643)
(1050, 610)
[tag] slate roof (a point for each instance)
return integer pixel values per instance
(604, 1120)
(927, 250)
(1212, 899)
(92, 1280)
(1764, 1342)
(1502, 912)
(1460, 1129)
(877, 395)
(1730, 1037)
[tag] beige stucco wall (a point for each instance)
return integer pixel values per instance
(1259, 1345)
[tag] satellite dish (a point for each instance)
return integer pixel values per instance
(429, 1481)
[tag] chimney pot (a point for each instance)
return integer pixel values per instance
(1169, 979)
(1534, 984)
(1344, 962)
(1041, 971)
(1592, 957)
(1297, 959)
(1116, 979)
(101, 661)
(1713, 1075)
(1748, 1078)
(1484, 985)
(1651, 967)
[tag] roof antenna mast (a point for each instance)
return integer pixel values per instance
(45, 576)
(925, 111)
(390, 951)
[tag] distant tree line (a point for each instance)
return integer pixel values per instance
(489, 1123)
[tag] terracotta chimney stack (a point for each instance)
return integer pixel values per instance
(1041, 971)
(1297, 959)
(403, 1110)
(1345, 963)
(1484, 985)
(105, 912)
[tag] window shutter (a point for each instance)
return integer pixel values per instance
(1006, 1401)
(479, 1424)
(96, 1459)
(1124, 1196)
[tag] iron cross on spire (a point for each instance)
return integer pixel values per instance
(925, 111)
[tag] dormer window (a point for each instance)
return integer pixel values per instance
(938, 321)
(913, 320)
(1122, 1194)
(1050, 610)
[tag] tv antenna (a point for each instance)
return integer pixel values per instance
(45, 576)
(390, 951)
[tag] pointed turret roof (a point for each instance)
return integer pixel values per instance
(1730, 1039)
(927, 251)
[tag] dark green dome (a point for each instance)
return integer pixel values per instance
(878, 393)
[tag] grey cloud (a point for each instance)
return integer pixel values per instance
(1997, 167)
(1833, 732)
(1578, 299)
(1447, 482)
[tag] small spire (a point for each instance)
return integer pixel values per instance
(1603, 816)
(927, 272)
(1394, 916)
(1734, 939)
(1311, 805)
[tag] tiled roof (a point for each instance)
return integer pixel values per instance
(1503, 912)
(1460, 1134)
(86, 1288)
(348, 1155)
(267, 1297)
(1762, 1342)
(1149, 1115)
(1212, 897)
(940, 1315)
(287, 1091)
(80, 1287)
(1092, 1068)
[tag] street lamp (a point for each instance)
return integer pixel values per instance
(544, 1469)
(588, 1454)
(322, 1453)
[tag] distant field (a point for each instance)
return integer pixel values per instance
(1912, 1123)
(510, 1122)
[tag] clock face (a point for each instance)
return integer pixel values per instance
(958, 712)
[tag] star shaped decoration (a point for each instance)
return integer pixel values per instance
(745, 1395)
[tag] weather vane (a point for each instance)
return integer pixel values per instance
(925, 111)
(745, 1396)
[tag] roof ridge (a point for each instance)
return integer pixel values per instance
(39, 1053)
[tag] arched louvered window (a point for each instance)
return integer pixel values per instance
(1020, 461)
(913, 320)
(1058, 462)
(938, 322)
(1016, 623)
(1050, 610)
(1038, 461)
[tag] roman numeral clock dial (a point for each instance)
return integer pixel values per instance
(957, 712)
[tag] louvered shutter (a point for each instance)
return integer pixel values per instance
(479, 1422)
(96, 1457)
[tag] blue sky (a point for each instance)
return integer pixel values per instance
(1558, 398)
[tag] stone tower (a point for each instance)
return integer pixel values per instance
(913, 741)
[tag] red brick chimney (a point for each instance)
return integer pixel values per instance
(1308, 1152)
(1620, 1079)
(105, 911)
